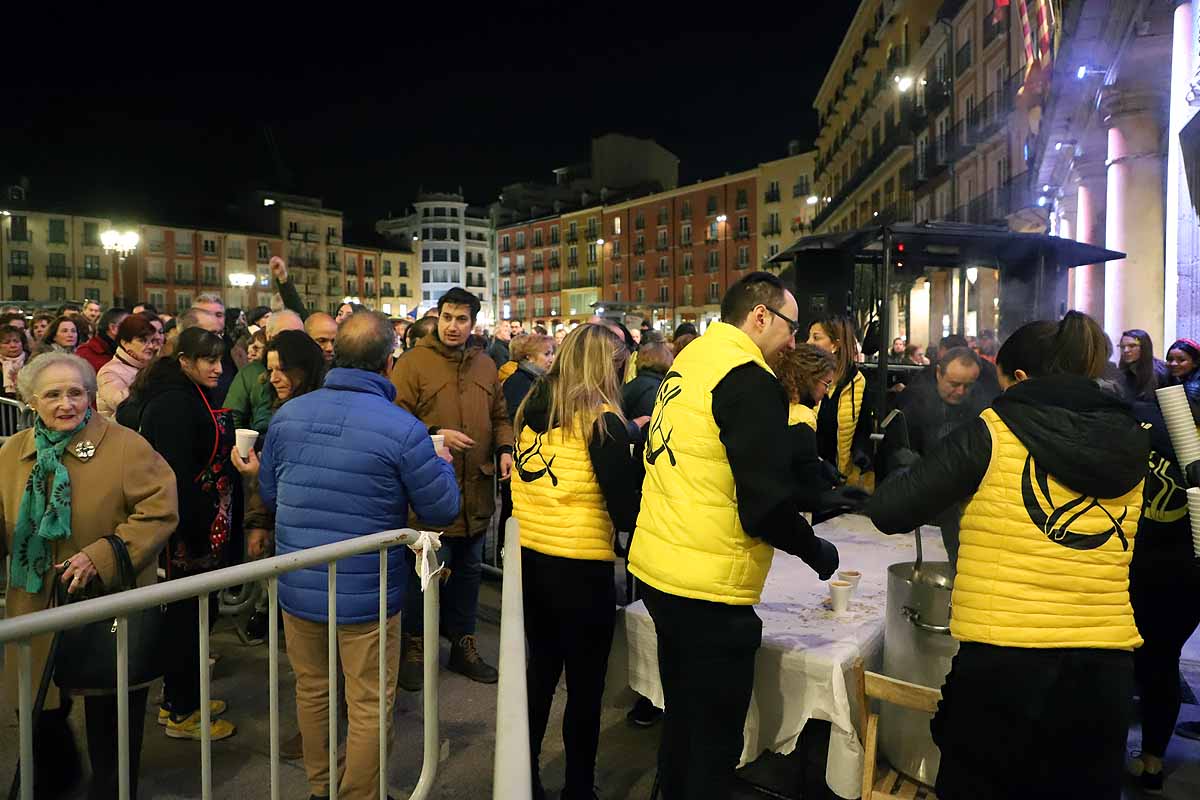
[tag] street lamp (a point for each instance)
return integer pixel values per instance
(241, 280)
(721, 218)
(904, 84)
(120, 243)
(813, 200)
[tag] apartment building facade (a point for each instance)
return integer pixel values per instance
(55, 257)
(787, 200)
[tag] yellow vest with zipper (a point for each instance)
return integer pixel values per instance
(1039, 566)
(689, 540)
(850, 404)
(557, 498)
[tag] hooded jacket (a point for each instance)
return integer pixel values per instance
(457, 388)
(1052, 475)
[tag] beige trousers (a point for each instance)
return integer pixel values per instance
(358, 652)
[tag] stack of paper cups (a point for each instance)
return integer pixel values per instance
(1193, 498)
(1180, 425)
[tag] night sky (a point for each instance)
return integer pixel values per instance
(170, 120)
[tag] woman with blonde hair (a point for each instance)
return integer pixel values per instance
(838, 414)
(575, 485)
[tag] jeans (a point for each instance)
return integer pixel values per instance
(358, 652)
(181, 677)
(706, 655)
(570, 613)
(463, 556)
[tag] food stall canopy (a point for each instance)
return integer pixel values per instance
(952, 244)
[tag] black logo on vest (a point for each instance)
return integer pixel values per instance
(529, 472)
(1163, 499)
(658, 441)
(1056, 524)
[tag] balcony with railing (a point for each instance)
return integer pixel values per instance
(772, 229)
(572, 237)
(58, 271)
(156, 277)
(210, 280)
(993, 28)
(898, 135)
(183, 248)
(963, 59)
(20, 270)
(771, 196)
(572, 261)
(741, 234)
(554, 261)
(662, 246)
(93, 274)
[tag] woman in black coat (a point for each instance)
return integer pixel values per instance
(654, 360)
(177, 414)
(534, 355)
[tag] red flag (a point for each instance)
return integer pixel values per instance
(997, 12)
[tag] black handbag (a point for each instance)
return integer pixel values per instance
(86, 660)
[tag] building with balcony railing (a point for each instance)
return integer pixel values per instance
(39, 251)
(865, 111)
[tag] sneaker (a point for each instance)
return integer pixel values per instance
(465, 660)
(412, 662)
(189, 728)
(644, 714)
(1148, 782)
(1188, 730)
(215, 708)
(292, 749)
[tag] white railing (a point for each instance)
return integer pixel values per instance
(120, 605)
(512, 775)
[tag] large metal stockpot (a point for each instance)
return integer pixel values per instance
(917, 648)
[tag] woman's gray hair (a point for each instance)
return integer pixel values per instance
(28, 377)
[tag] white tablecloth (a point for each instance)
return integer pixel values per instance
(807, 651)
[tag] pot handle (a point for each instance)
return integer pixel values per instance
(914, 616)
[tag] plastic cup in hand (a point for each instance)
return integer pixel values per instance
(244, 439)
(839, 595)
(850, 576)
(439, 441)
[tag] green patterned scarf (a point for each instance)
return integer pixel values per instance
(43, 519)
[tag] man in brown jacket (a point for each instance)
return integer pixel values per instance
(455, 391)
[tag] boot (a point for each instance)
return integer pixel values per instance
(412, 662)
(465, 660)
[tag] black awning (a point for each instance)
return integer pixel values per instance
(951, 244)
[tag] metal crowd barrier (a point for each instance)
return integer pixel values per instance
(14, 416)
(120, 605)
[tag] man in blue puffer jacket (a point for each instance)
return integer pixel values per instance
(341, 462)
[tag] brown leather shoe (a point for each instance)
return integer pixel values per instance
(292, 748)
(412, 662)
(465, 660)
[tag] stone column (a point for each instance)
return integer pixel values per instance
(1133, 286)
(1089, 229)
(1180, 274)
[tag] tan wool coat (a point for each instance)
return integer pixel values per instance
(459, 389)
(124, 488)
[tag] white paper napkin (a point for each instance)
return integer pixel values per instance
(426, 548)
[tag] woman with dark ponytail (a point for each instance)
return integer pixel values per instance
(1038, 701)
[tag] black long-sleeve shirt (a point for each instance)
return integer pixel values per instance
(618, 472)
(750, 408)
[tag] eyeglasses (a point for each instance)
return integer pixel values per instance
(793, 326)
(74, 394)
(828, 383)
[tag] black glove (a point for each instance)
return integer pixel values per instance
(829, 474)
(1193, 473)
(823, 558)
(905, 458)
(842, 500)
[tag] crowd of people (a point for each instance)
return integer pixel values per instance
(708, 452)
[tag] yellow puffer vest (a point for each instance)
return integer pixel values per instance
(689, 540)
(506, 370)
(850, 405)
(557, 498)
(1021, 586)
(800, 414)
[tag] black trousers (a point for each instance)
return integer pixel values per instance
(570, 612)
(101, 715)
(706, 657)
(57, 764)
(181, 638)
(1038, 724)
(1165, 592)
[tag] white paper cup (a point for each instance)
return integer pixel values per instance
(244, 439)
(1193, 499)
(839, 595)
(850, 576)
(1181, 426)
(439, 441)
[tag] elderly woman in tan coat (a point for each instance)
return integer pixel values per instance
(65, 484)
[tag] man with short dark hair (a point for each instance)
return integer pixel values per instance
(933, 410)
(101, 348)
(716, 502)
(375, 461)
(91, 312)
(455, 390)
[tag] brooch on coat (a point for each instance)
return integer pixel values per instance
(84, 450)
